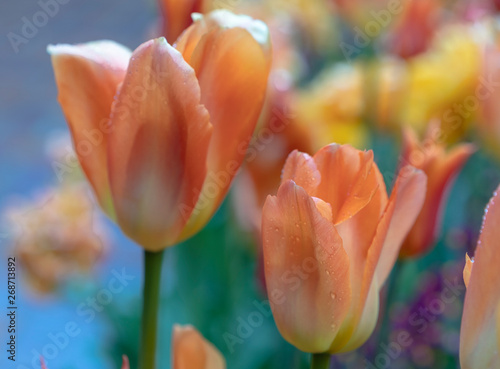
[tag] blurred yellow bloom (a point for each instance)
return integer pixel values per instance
(440, 83)
(332, 107)
(56, 236)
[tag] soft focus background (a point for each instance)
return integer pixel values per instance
(411, 72)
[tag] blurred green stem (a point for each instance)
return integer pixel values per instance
(151, 294)
(320, 361)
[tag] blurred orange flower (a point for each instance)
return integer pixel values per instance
(414, 29)
(441, 169)
(191, 351)
(331, 237)
(176, 16)
(161, 155)
(56, 236)
(480, 332)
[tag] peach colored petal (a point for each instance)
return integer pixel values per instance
(408, 197)
(307, 270)
(87, 78)
(478, 336)
(158, 146)
(324, 208)
(189, 39)
(364, 327)
(357, 234)
(301, 168)
(374, 263)
(232, 67)
(469, 263)
(347, 181)
(498, 327)
(191, 351)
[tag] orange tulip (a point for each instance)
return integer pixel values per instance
(441, 169)
(331, 237)
(161, 155)
(191, 351)
(176, 15)
(415, 28)
(480, 332)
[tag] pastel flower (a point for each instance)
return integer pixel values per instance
(161, 132)
(331, 237)
(441, 168)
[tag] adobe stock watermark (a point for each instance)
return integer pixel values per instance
(30, 26)
(362, 38)
(87, 311)
(218, 181)
(420, 320)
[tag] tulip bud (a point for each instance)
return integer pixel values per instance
(191, 351)
(441, 169)
(331, 236)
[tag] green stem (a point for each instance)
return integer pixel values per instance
(320, 361)
(151, 293)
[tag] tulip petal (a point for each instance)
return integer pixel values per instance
(366, 325)
(191, 351)
(157, 148)
(478, 336)
(347, 181)
(402, 208)
(301, 168)
(232, 68)
(353, 174)
(87, 78)
(498, 327)
(408, 196)
(307, 269)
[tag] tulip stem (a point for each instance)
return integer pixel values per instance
(320, 361)
(151, 294)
